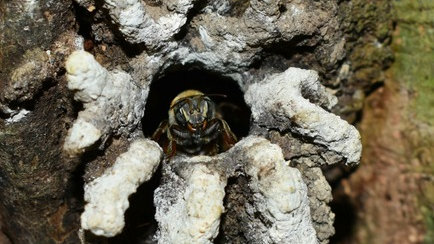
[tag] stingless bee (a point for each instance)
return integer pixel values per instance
(193, 127)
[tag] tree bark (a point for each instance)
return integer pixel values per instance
(392, 192)
(145, 52)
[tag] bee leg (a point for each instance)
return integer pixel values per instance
(164, 138)
(170, 149)
(212, 127)
(177, 136)
(179, 131)
(162, 129)
(226, 137)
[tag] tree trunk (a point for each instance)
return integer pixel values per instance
(392, 192)
(74, 124)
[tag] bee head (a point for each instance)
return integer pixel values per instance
(191, 109)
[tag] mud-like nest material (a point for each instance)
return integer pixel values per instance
(284, 195)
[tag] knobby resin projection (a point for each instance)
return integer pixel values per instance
(282, 197)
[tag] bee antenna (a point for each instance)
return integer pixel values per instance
(215, 95)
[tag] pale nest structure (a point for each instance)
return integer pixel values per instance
(288, 204)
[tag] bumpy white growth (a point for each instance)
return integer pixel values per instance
(17, 116)
(189, 208)
(224, 44)
(103, 93)
(282, 96)
(138, 26)
(194, 196)
(107, 196)
(82, 135)
(195, 215)
(85, 76)
(279, 192)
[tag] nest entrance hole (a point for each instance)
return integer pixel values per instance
(139, 217)
(162, 91)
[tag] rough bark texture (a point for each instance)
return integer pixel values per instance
(189, 206)
(220, 46)
(38, 188)
(392, 194)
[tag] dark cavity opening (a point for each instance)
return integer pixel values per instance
(342, 205)
(232, 107)
(346, 216)
(140, 224)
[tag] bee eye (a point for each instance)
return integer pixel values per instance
(191, 111)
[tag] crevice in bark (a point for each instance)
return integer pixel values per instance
(346, 215)
(139, 218)
(237, 191)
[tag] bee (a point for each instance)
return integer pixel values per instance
(194, 127)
